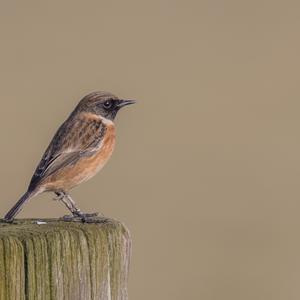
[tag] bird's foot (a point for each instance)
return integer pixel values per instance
(78, 216)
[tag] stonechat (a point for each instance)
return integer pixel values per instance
(77, 152)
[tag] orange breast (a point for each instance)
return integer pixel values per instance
(85, 168)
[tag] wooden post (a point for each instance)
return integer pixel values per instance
(51, 259)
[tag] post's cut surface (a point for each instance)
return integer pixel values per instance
(53, 260)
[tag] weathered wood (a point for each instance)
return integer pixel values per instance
(64, 260)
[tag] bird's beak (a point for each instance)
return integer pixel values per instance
(125, 102)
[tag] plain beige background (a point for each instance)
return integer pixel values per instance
(206, 169)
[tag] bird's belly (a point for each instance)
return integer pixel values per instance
(84, 169)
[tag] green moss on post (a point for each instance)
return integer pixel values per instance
(64, 260)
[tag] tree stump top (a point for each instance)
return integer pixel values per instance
(55, 259)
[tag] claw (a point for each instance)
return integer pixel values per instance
(85, 217)
(68, 218)
(79, 216)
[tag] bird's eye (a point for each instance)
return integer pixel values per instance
(107, 104)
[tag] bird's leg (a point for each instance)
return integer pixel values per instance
(61, 196)
(75, 210)
(71, 205)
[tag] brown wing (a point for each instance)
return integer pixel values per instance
(73, 140)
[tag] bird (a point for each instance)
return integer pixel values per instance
(78, 151)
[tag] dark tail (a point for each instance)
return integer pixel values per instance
(17, 207)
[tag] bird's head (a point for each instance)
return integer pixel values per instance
(103, 103)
